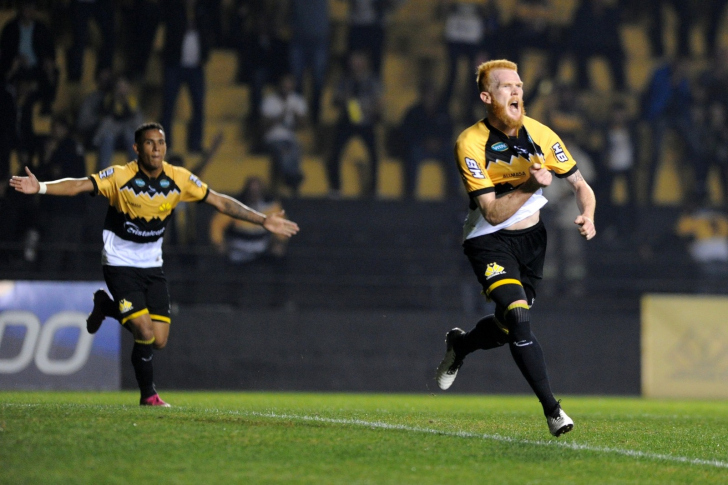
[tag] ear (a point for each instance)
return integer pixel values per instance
(486, 97)
(136, 148)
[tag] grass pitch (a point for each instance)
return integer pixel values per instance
(337, 438)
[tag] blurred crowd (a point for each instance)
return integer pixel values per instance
(623, 133)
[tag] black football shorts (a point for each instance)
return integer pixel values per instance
(137, 291)
(506, 261)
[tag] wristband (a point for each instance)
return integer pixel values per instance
(43, 187)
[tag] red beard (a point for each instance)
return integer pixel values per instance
(499, 112)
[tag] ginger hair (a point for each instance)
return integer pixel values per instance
(484, 70)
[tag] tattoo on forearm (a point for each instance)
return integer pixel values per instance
(576, 177)
(240, 211)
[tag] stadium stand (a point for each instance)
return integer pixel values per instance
(384, 253)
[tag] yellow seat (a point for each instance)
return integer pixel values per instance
(315, 182)
(221, 103)
(430, 181)
(221, 68)
(390, 178)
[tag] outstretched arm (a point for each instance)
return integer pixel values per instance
(586, 202)
(498, 209)
(275, 223)
(67, 186)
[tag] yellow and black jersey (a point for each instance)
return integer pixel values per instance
(491, 161)
(139, 210)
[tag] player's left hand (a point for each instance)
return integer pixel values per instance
(278, 224)
(586, 226)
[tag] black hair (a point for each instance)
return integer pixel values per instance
(139, 132)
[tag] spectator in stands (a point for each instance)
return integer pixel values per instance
(666, 106)
(618, 159)
(8, 132)
(8, 142)
(596, 33)
(283, 111)
(685, 14)
(142, 19)
(18, 229)
(470, 30)
(82, 11)
(262, 52)
(26, 95)
(565, 112)
(716, 15)
(61, 220)
(566, 258)
(705, 232)
(366, 22)
(120, 116)
(91, 110)
(533, 26)
(186, 49)
(243, 242)
(359, 100)
(28, 52)
(426, 134)
(182, 229)
(310, 32)
(711, 117)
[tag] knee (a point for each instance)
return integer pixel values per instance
(141, 330)
(518, 321)
(160, 343)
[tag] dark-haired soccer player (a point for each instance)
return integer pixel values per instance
(142, 195)
(504, 161)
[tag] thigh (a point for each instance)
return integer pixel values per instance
(157, 296)
(497, 269)
(128, 288)
(531, 253)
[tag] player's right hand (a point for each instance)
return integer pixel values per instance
(26, 185)
(540, 174)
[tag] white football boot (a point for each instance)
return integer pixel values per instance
(560, 424)
(447, 371)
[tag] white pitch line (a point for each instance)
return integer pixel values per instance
(458, 434)
(493, 437)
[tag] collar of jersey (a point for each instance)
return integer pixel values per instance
(506, 138)
(142, 174)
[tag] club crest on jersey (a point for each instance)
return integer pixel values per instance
(499, 147)
(125, 306)
(493, 269)
(106, 173)
(475, 170)
(164, 183)
(559, 152)
(139, 182)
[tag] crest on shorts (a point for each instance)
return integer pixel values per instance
(493, 269)
(125, 306)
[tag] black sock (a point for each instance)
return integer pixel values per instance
(486, 335)
(141, 359)
(527, 353)
(532, 364)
